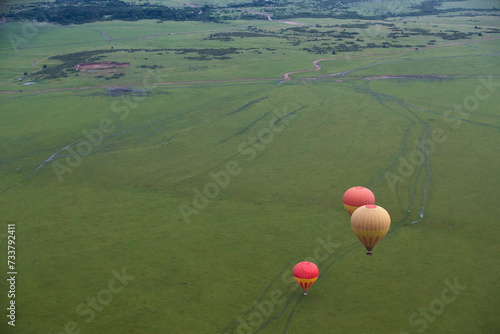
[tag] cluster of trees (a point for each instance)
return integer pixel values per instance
(85, 11)
(448, 34)
(329, 9)
(427, 7)
(352, 46)
(209, 54)
(205, 57)
(114, 76)
(150, 66)
(492, 31)
(229, 36)
(79, 12)
(70, 60)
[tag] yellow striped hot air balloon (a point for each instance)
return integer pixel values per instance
(305, 274)
(370, 223)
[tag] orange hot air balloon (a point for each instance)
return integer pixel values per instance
(357, 196)
(305, 273)
(370, 223)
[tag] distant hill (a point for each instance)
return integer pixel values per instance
(78, 11)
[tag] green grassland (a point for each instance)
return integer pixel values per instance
(282, 151)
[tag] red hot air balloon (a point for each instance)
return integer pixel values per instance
(357, 196)
(305, 273)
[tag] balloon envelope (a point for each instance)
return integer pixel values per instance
(305, 274)
(370, 223)
(357, 196)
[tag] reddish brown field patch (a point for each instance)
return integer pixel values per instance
(99, 65)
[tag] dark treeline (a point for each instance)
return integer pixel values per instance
(79, 12)
(428, 7)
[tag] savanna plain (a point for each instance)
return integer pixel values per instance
(173, 188)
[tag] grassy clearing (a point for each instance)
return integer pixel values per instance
(470, 4)
(381, 7)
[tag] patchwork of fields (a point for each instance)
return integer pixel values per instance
(176, 194)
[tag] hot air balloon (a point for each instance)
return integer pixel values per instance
(305, 273)
(370, 223)
(357, 196)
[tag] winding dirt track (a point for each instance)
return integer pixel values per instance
(104, 35)
(285, 76)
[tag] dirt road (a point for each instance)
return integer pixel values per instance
(286, 76)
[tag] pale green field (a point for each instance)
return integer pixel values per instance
(470, 4)
(380, 7)
(115, 203)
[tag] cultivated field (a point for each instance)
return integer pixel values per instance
(176, 194)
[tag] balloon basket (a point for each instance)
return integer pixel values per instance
(369, 253)
(305, 293)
